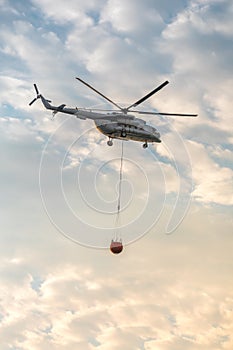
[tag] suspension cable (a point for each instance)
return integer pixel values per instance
(119, 191)
(120, 178)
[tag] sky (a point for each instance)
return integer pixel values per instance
(60, 287)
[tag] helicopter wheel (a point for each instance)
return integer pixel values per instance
(145, 145)
(109, 143)
(123, 133)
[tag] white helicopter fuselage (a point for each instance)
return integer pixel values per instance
(121, 126)
(114, 125)
(128, 129)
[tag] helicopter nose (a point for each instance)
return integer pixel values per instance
(157, 136)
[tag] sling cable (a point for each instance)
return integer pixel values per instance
(116, 246)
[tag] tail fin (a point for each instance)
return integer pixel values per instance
(46, 103)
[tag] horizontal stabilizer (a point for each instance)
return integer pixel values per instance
(60, 108)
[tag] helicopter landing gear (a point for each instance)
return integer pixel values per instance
(145, 145)
(123, 133)
(109, 142)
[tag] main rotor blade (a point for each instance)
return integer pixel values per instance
(115, 111)
(98, 92)
(168, 114)
(148, 95)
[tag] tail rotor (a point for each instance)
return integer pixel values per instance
(37, 95)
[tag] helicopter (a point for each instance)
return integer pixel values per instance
(116, 123)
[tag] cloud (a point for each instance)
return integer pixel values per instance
(212, 182)
(167, 300)
(201, 50)
(129, 20)
(73, 11)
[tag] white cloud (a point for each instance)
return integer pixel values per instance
(213, 183)
(202, 53)
(132, 19)
(72, 11)
(167, 299)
